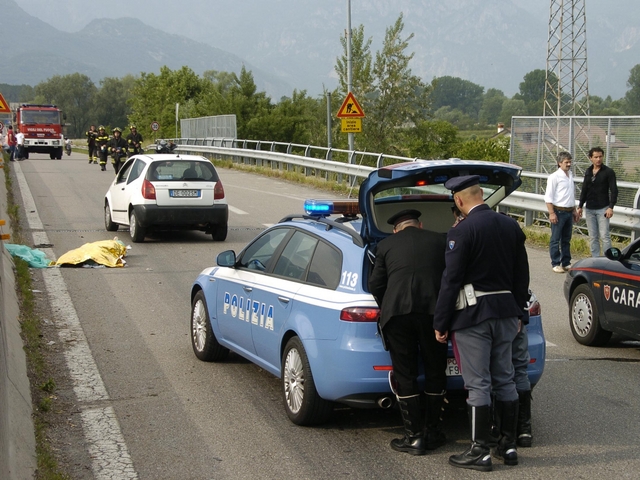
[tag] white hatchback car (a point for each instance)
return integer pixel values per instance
(167, 191)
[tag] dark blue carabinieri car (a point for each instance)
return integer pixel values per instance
(295, 300)
(604, 296)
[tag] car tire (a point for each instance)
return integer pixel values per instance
(220, 232)
(135, 230)
(108, 223)
(204, 342)
(584, 319)
(301, 400)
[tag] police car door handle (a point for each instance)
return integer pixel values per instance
(284, 299)
(247, 289)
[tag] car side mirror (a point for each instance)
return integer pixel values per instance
(226, 258)
(613, 253)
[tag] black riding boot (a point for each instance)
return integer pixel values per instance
(413, 440)
(507, 417)
(433, 434)
(478, 455)
(524, 419)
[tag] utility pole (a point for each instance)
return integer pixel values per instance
(350, 136)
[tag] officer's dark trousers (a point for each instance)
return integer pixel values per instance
(411, 338)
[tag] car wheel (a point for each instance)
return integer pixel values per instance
(301, 400)
(220, 233)
(108, 223)
(135, 230)
(204, 342)
(584, 320)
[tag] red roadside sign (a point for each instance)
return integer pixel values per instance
(4, 106)
(350, 108)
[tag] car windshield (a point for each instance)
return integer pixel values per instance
(183, 170)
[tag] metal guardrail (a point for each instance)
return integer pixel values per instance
(625, 218)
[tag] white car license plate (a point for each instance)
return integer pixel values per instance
(452, 368)
(184, 193)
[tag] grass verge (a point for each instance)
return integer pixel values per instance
(42, 384)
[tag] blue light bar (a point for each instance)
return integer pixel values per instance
(331, 207)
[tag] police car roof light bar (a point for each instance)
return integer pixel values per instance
(332, 207)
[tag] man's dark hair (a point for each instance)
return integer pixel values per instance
(594, 150)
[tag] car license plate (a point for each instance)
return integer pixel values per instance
(184, 193)
(452, 368)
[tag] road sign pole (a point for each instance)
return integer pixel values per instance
(350, 136)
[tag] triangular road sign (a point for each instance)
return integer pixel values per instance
(350, 108)
(4, 106)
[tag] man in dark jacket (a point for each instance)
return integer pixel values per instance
(599, 194)
(405, 282)
(485, 288)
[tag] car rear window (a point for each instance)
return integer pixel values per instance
(183, 171)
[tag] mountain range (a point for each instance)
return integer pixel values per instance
(294, 43)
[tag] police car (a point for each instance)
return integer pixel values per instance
(604, 296)
(295, 300)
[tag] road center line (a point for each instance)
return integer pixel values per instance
(106, 445)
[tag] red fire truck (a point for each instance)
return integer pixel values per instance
(42, 128)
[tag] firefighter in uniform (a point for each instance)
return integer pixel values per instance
(91, 135)
(484, 290)
(118, 149)
(405, 282)
(101, 146)
(134, 141)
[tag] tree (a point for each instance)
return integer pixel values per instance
(154, 97)
(458, 94)
(362, 76)
(510, 108)
(111, 102)
(432, 139)
(74, 94)
(491, 107)
(247, 103)
(632, 97)
(489, 149)
(398, 99)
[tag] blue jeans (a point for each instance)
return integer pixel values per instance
(560, 244)
(598, 226)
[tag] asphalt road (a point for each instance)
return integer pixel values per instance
(184, 419)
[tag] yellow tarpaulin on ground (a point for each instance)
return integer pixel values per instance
(110, 253)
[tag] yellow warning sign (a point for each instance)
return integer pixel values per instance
(350, 108)
(351, 125)
(4, 106)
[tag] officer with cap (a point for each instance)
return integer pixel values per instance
(405, 281)
(485, 287)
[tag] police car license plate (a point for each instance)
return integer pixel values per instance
(452, 368)
(184, 193)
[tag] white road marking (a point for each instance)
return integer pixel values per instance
(549, 344)
(237, 211)
(106, 445)
(268, 224)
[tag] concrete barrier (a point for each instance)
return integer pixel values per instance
(17, 439)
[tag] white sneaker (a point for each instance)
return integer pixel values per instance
(567, 267)
(558, 269)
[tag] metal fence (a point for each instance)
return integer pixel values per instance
(536, 142)
(222, 126)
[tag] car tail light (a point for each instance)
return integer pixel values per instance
(534, 308)
(360, 314)
(218, 191)
(148, 190)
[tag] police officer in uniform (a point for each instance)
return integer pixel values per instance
(101, 145)
(405, 281)
(134, 141)
(485, 288)
(91, 135)
(118, 149)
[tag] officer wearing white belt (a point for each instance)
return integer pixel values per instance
(484, 289)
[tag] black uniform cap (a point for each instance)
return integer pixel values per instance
(403, 215)
(457, 184)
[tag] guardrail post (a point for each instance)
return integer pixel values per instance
(380, 162)
(528, 218)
